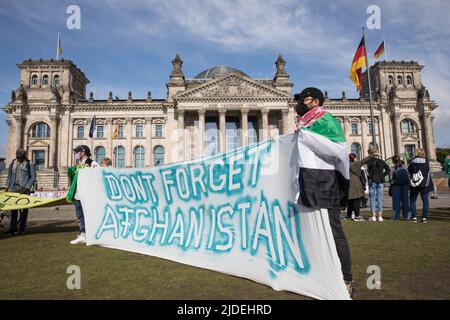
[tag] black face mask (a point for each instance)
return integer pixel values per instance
(301, 109)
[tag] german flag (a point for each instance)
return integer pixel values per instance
(359, 61)
(379, 51)
(116, 129)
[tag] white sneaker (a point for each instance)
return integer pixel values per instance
(80, 239)
(373, 218)
(380, 219)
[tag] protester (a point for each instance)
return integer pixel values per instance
(399, 191)
(421, 183)
(356, 189)
(21, 178)
(447, 168)
(82, 156)
(378, 170)
(106, 162)
(313, 117)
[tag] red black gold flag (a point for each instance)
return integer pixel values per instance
(359, 61)
(379, 51)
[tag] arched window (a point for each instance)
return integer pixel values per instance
(139, 157)
(391, 79)
(407, 126)
(399, 80)
(409, 80)
(356, 149)
(34, 79)
(158, 156)
(119, 157)
(99, 153)
(40, 130)
(45, 79)
(56, 79)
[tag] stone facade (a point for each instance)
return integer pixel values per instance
(218, 110)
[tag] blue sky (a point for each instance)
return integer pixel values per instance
(129, 45)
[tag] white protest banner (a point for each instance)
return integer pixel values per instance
(232, 213)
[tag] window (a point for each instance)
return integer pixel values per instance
(45, 79)
(56, 79)
(399, 80)
(158, 130)
(99, 154)
(355, 128)
(120, 132)
(407, 126)
(119, 157)
(139, 157)
(40, 130)
(232, 136)
(139, 131)
(158, 156)
(39, 159)
(252, 131)
(34, 79)
(80, 132)
(409, 80)
(356, 149)
(410, 150)
(211, 137)
(391, 79)
(100, 131)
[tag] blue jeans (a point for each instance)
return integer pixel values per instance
(80, 215)
(376, 196)
(426, 203)
(400, 199)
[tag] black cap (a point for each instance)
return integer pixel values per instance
(310, 92)
(83, 148)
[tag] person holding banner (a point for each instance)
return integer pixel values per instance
(82, 156)
(21, 179)
(324, 167)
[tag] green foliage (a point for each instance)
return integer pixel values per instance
(441, 154)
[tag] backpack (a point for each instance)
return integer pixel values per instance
(376, 170)
(401, 177)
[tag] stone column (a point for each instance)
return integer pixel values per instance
(108, 134)
(265, 123)
(18, 124)
(129, 144)
(201, 129)
(149, 146)
(430, 147)
(347, 128)
(181, 142)
(285, 120)
(10, 153)
(364, 141)
(398, 135)
(53, 141)
(222, 131)
(244, 127)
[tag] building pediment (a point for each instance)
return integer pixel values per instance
(410, 138)
(39, 143)
(232, 86)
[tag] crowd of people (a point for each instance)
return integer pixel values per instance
(406, 183)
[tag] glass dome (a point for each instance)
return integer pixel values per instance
(217, 71)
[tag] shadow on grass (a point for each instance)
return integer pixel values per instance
(43, 228)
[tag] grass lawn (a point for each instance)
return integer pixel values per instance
(414, 261)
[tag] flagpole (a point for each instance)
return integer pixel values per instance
(57, 47)
(385, 50)
(374, 141)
